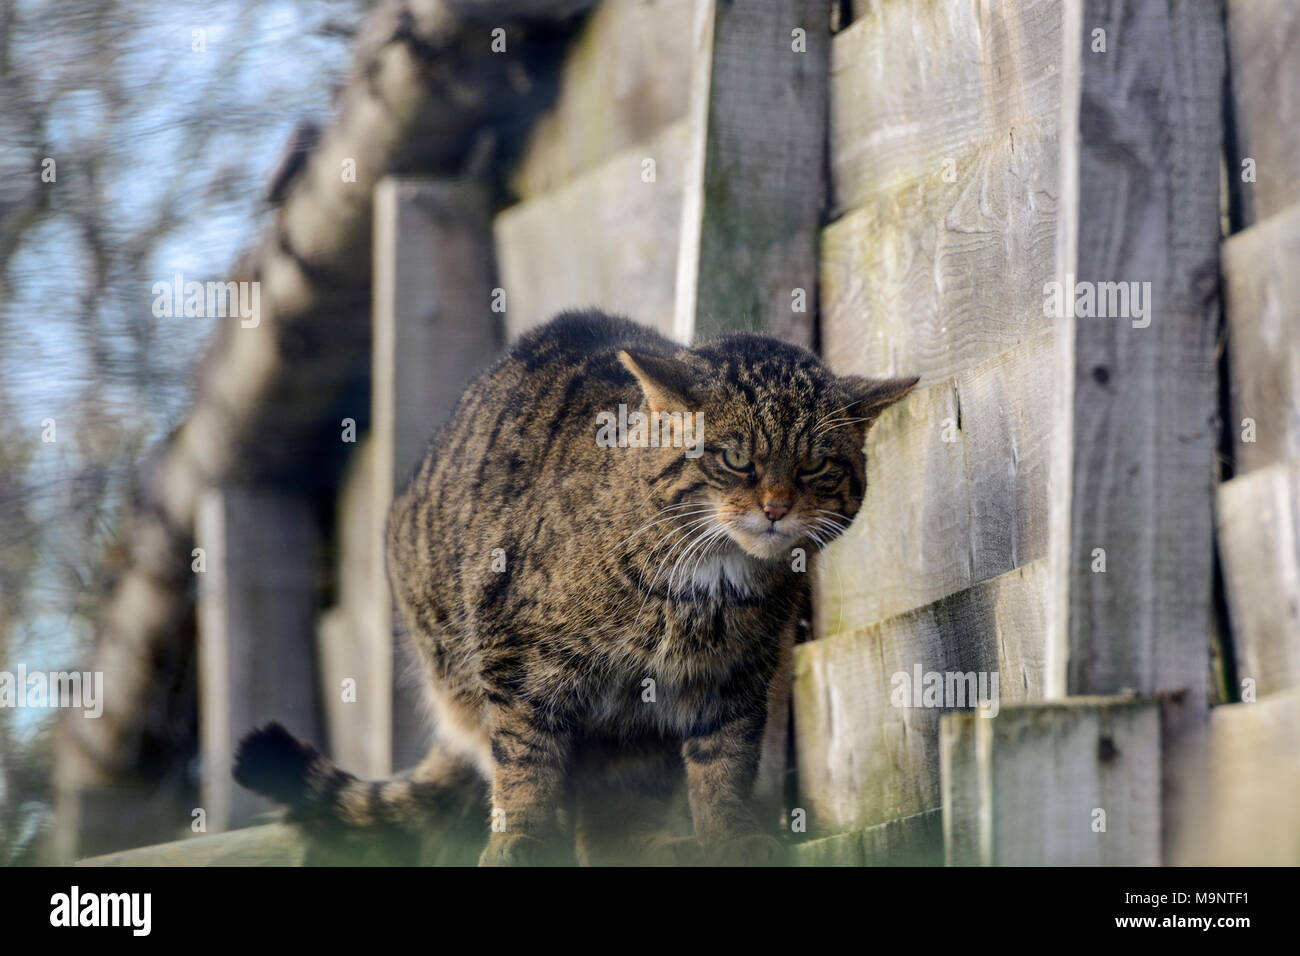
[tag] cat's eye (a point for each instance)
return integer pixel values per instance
(813, 465)
(736, 461)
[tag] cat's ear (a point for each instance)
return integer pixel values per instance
(868, 397)
(667, 383)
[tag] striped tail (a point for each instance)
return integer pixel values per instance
(443, 789)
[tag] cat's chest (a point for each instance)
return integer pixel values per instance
(725, 576)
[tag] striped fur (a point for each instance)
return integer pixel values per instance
(599, 624)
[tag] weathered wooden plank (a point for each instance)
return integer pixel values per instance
(911, 841)
(863, 760)
(916, 84)
(754, 185)
(257, 607)
(1251, 816)
(1262, 291)
(274, 844)
(963, 822)
(1264, 69)
(1062, 783)
(1259, 541)
(607, 239)
(626, 76)
(931, 277)
(956, 494)
(842, 849)
(434, 330)
(1137, 402)
(358, 726)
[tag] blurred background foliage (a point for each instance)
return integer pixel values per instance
(165, 121)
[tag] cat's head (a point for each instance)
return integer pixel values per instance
(781, 462)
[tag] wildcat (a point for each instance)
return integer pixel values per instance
(547, 580)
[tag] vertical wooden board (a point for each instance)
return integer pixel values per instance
(1259, 542)
(358, 728)
(1138, 412)
(941, 515)
(625, 77)
(1252, 816)
(1262, 292)
(434, 331)
(915, 84)
(963, 804)
(932, 277)
(608, 239)
(864, 761)
(1055, 767)
(1264, 68)
(754, 189)
(257, 608)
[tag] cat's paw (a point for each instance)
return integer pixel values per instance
(752, 849)
(515, 849)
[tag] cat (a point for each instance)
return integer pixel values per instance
(600, 620)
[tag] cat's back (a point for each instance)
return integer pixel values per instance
(520, 441)
(550, 383)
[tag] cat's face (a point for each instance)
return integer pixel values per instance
(782, 464)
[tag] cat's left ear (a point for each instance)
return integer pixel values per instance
(868, 397)
(667, 383)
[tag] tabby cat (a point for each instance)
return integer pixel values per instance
(598, 620)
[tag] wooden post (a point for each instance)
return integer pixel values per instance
(754, 183)
(1069, 783)
(1259, 509)
(1136, 408)
(257, 606)
(435, 329)
(1262, 292)
(1265, 74)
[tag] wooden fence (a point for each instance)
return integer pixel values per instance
(1041, 511)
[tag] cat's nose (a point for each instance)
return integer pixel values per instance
(774, 511)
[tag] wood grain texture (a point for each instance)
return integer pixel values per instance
(916, 840)
(863, 761)
(754, 189)
(1029, 786)
(1259, 542)
(625, 77)
(1264, 69)
(939, 515)
(914, 84)
(1262, 304)
(1139, 187)
(606, 240)
(931, 277)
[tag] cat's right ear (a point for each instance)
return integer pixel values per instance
(668, 384)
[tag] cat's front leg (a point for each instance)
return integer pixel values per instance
(721, 766)
(528, 764)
